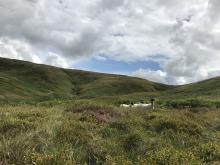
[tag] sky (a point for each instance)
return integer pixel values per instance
(166, 41)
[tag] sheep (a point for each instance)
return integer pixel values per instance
(125, 106)
(139, 105)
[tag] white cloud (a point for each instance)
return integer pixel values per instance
(156, 76)
(61, 32)
(17, 50)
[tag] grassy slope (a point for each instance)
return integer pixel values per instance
(21, 80)
(25, 80)
(208, 89)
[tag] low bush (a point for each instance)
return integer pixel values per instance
(120, 126)
(92, 133)
(190, 103)
(170, 155)
(73, 133)
(177, 125)
(12, 127)
(133, 143)
(209, 152)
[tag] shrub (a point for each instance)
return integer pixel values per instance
(177, 125)
(197, 110)
(37, 135)
(110, 160)
(172, 156)
(12, 127)
(217, 104)
(96, 155)
(50, 158)
(132, 143)
(209, 152)
(120, 126)
(18, 150)
(73, 133)
(190, 103)
(78, 107)
(87, 117)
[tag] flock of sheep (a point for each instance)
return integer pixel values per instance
(137, 105)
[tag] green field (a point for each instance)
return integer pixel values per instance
(55, 116)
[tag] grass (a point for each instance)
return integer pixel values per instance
(50, 115)
(87, 132)
(208, 89)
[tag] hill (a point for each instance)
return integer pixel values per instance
(208, 89)
(20, 80)
(74, 119)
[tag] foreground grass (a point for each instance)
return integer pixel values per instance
(88, 133)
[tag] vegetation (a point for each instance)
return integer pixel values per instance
(84, 132)
(24, 82)
(208, 89)
(27, 82)
(50, 115)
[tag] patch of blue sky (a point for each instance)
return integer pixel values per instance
(119, 67)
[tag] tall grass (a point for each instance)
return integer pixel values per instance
(86, 132)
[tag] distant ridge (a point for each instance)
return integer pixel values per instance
(26, 80)
(21, 80)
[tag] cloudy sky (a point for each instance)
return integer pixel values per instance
(168, 41)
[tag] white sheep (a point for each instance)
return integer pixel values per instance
(125, 106)
(142, 105)
(137, 105)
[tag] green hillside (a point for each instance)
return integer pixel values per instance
(208, 89)
(20, 80)
(75, 118)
